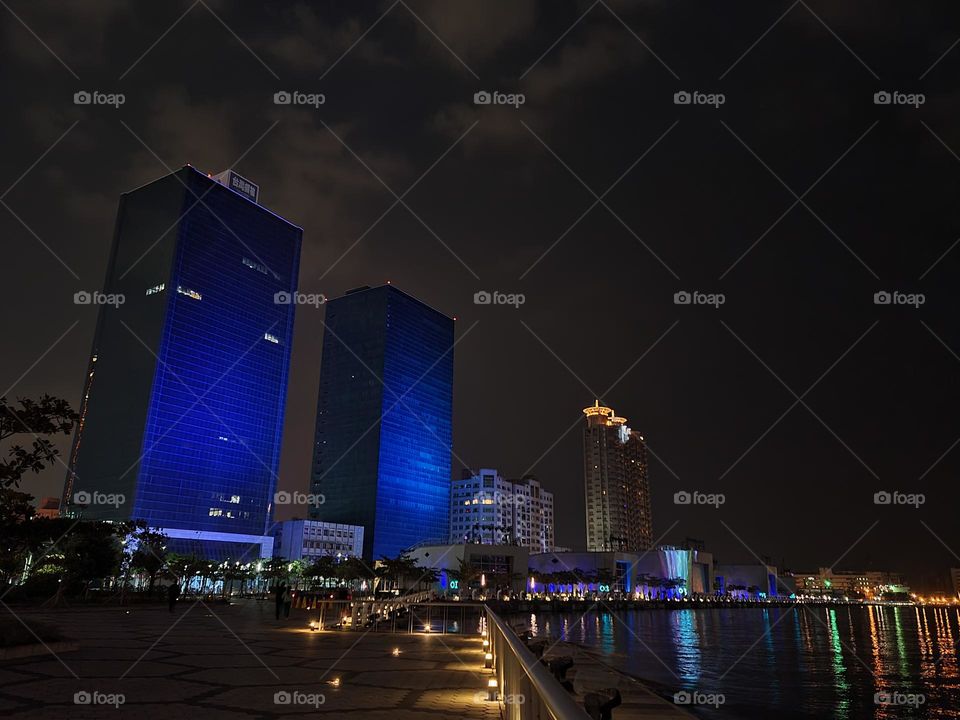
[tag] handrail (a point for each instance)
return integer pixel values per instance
(547, 693)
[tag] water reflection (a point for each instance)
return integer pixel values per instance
(687, 642)
(783, 662)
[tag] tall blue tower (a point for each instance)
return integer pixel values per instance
(182, 413)
(383, 436)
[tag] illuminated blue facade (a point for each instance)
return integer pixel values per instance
(183, 410)
(383, 437)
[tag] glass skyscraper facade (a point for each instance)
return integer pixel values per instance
(384, 428)
(182, 415)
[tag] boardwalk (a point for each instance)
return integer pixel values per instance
(223, 662)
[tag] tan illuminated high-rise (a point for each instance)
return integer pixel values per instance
(616, 488)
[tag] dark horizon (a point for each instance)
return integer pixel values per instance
(799, 198)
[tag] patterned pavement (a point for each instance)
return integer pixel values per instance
(237, 661)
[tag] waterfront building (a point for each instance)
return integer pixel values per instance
(748, 580)
(182, 411)
(616, 488)
(869, 584)
(299, 539)
(384, 419)
(955, 581)
(487, 566)
(489, 509)
(662, 572)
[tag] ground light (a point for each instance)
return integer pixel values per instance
(396, 652)
(492, 689)
(335, 682)
(488, 660)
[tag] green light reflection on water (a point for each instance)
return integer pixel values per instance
(839, 669)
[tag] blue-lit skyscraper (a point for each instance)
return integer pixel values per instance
(182, 414)
(383, 438)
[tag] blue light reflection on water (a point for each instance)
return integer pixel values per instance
(814, 662)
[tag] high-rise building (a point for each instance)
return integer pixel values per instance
(487, 509)
(182, 412)
(384, 419)
(615, 483)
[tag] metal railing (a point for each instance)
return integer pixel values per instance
(527, 689)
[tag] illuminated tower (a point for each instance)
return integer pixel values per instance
(384, 419)
(615, 484)
(182, 411)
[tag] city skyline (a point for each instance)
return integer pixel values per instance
(714, 387)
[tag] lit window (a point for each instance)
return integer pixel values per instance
(189, 293)
(216, 512)
(259, 267)
(156, 289)
(272, 338)
(234, 498)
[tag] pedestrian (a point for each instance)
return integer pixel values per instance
(278, 593)
(287, 600)
(173, 592)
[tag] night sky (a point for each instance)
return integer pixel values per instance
(598, 199)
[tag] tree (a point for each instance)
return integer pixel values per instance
(48, 417)
(427, 576)
(324, 569)
(16, 510)
(148, 551)
(399, 569)
(90, 551)
(297, 569)
(354, 569)
(465, 574)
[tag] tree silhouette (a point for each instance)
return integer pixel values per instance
(50, 416)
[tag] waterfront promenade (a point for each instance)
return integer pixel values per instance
(222, 662)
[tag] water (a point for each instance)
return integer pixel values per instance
(788, 663)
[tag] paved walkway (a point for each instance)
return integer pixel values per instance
(223, 662)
